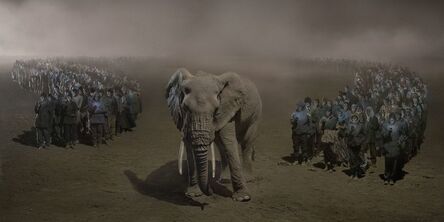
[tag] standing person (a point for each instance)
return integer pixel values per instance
(391, 132)
(117, 97)
(84, 111)
(315, 115)
(371, 129)
(138, 103)
(51, 103)
(133, 108)
(78, 99)
(302, 132)
(43, 121)
(97, 119)
(57, 120)
(384, 110)
(70, 121)
(355, 138)
(124, 115)
(110, 104)
(327, 126)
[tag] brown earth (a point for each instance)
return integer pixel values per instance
(136, 178)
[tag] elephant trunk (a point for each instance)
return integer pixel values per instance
(201, 157)
(199, 130)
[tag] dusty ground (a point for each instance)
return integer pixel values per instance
(136, 179)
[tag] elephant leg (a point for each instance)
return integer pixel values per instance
(248, 149)
(192, 188)
(224, 174)
(230, 145)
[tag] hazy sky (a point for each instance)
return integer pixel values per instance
(279, 28)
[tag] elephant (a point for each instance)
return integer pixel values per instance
(222, 109)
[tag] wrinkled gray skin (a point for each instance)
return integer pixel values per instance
(224, 109)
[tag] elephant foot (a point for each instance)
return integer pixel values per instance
(241, 195)
(193, 191)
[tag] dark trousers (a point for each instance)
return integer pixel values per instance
(329, 156)
(57, 132)
(302, 146)
(42, 136)
(391, 167)
(70, 132)
(132, 119)
(106, 129)
(97, 133)
(355, 160)
(110, 128)
(372, 148)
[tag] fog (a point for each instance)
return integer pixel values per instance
(375, 30)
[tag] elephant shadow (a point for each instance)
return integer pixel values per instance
(166, 184)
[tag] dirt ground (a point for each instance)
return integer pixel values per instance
(136, 178)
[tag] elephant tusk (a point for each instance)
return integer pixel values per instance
(180, 158)
(213, 160)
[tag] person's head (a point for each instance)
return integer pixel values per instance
(97, 96)
(398, 116)
(316, 102)
(307, 101)
(354, 107)
(393, 102)
(323, 102)
(42, 97)
(392, 118)
(328, 112)
(339, 97)
(300, 106)
(369, 111)
(328, 104)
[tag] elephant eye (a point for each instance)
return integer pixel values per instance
(187, 90)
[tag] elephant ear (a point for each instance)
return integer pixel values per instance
(231, 98)
(174, 95)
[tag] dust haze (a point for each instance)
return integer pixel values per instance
(375, 30)
(136, 177)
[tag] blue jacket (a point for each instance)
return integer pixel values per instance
(97, 112)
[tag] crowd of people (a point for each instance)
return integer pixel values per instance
(384, 113)
(78, 102)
